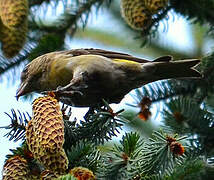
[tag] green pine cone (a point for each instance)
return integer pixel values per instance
(155, 5)
(13, 12)
(136, 14)
(13, 39)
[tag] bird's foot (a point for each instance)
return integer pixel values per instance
(77, 83)
(61, 93)
(71, 87)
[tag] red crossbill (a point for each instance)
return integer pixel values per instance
(83, 77)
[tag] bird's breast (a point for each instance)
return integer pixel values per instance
(58, 74)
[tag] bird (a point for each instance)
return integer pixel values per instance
(84, 77)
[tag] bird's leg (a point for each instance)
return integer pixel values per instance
(77, 83)
(75, 86)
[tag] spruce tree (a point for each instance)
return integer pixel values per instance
(182, 147)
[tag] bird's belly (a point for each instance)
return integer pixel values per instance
(89, 98)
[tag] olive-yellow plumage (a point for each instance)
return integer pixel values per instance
(83, 77)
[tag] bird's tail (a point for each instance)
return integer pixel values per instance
(172, 69)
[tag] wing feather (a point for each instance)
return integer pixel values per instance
(114, 55)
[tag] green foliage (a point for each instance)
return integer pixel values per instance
(137, 158)
(17, 127)
(85, 155)
(194, 169)
(157, 155)
(181, 114)
(18, 151)
(186, 117)
(162, 90)
(198, 11)
(207, 66)
(129, 144)
(48, 43)
(98, 126)
(123, 159)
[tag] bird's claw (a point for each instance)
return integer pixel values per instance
(67, 93)
(60, 92)
(70, 87)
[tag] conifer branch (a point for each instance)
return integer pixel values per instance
(98, 127)
(18, 124)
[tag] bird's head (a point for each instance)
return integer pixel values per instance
(31, 77)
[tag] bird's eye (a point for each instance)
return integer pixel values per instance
(24, 73)
(23, 76)
(25, 69)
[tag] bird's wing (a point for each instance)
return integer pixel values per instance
(114, 55)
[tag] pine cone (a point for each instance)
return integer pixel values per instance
(136, 14)
(155, 5)
(82, 173)
(45, 134)
(13, 13)
(48, 123)
(13, 39)
(47, 175)
(56, 162)
(177, 149)
(16, 168)
(32, 141)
